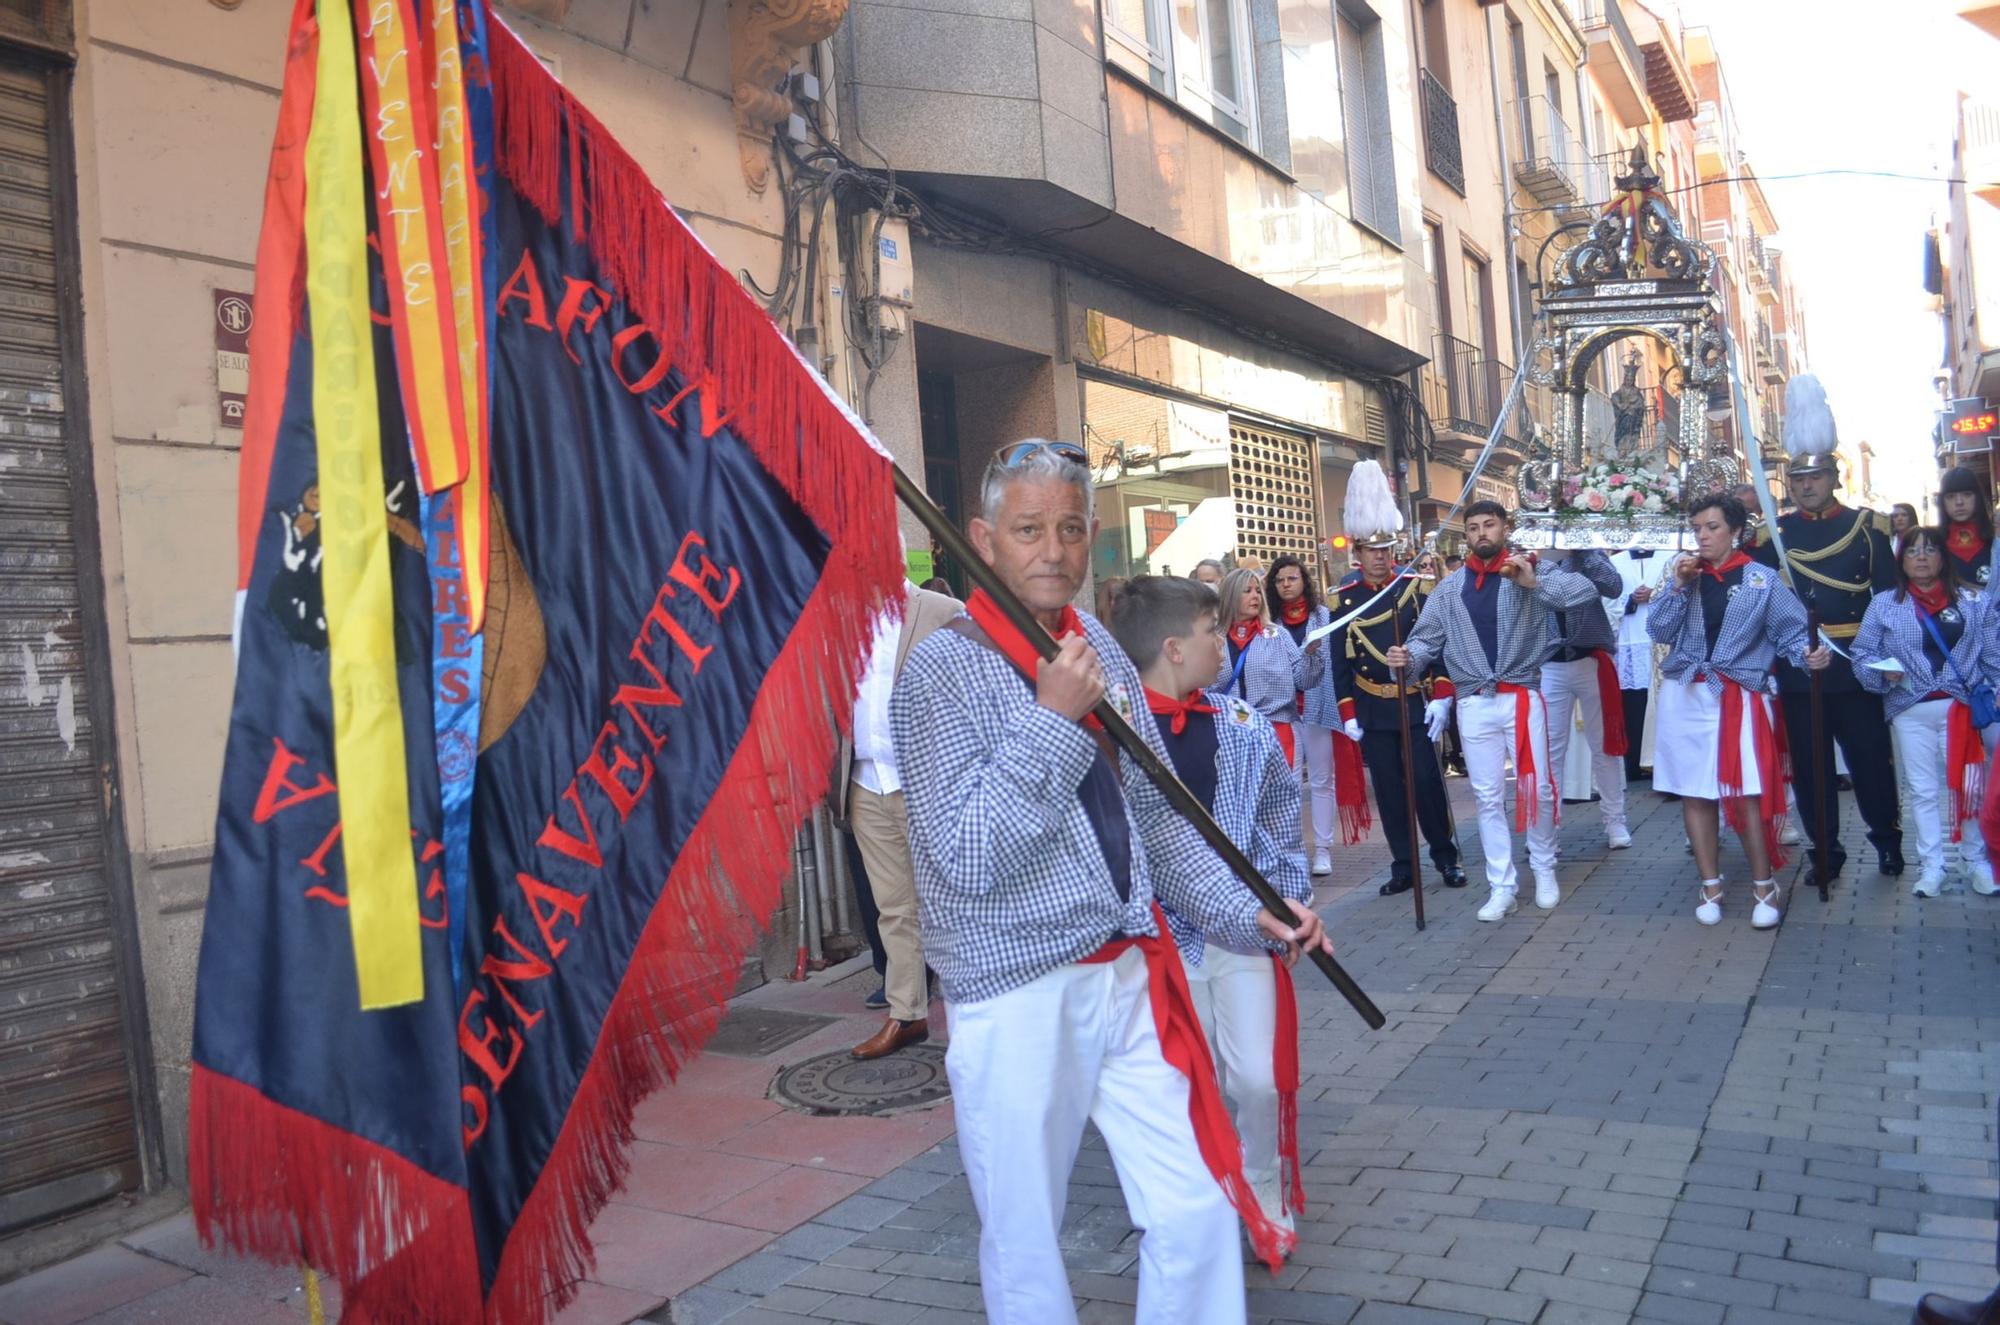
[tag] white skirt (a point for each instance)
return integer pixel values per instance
(1687, 752)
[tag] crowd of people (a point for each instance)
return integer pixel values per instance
(1097, 959)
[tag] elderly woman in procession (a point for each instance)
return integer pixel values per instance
(1724, 619)
(1264, 668)
(1924, 646)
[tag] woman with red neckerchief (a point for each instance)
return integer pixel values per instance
(1264, 668)
(1290, 591)
(1724, 619)
(1968, 531)
(1936, 634)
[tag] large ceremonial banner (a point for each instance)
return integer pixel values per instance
(555, 559)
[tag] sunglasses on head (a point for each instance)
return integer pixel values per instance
(1020, 451)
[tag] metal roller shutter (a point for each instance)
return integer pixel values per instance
(68, 1133)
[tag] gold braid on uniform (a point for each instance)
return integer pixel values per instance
(1356, 629)
(1833, 549)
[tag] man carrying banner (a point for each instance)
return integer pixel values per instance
(1037, 866)
(1371, 713)
(1488, 622)
(1837, 560)
(1582, 668)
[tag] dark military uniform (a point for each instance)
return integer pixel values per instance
(1366, 689)
(1839, 561)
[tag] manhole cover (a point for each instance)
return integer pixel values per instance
(838, 1083)
(755, 1032)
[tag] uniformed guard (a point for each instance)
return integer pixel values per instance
(1370, 711)
(1968, 536)
(1838, 559)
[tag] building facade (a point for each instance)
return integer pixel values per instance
(1231, 248)
(1964, 263)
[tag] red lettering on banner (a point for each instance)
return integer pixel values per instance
(277, 779)
(658, 615)
(697, 580)
(657, 695)
(526, 285)
(572, 311)
(478, 1044)
(448, 595)
(474, 1099)
(454, 639)
(612, 776)
(316, 862)
(455, 686)
(529, 967)
(560, 902)
(653, 376)
(561, 839)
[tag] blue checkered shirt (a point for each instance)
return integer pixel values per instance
(1275, 671)
(1763, 621)
(1521, 630)
(1257, 803)
(1891, 630)
(1011, 882)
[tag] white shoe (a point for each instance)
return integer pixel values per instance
(1930, 884)
(1980, 875)
(1766, 913)
(1547, 894)
(1322, 861)
(1619, 836)
(1709, 910)
(1271, 1201)
(1791, 837)
(1499, 905)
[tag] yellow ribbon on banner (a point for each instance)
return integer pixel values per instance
(368, 755)
(412, 245)
(456, 203)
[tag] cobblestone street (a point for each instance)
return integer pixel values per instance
(1600, 1113)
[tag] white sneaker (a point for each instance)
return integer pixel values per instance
(1931, 884)
(1980, 875)
(1271, 1201)
(1499, 905)
(1322, 861)
(1709, 910)
(1619, 836)
(1791, 836)
(1547, 894)
(1766, 913)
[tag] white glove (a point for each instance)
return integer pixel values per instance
(1437, 713)
(1351, 730)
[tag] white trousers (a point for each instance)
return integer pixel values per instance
(1316, 765)
(1920, 735)
(1027, 1069)
(1564, 686)
(1486, 730)
(1237, 999)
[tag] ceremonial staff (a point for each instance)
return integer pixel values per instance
(1130, 741)
(1409, 764)
(1822, 792)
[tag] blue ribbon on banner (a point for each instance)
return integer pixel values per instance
(457, 662)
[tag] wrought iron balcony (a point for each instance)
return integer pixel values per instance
(1544, 151)
(1467, 398)
(1441, 146)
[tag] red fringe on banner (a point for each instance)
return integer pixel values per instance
(279, 1184)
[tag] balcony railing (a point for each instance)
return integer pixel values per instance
(1464, 391)
(1441, 147)
(1610, 14)
(1545, 152)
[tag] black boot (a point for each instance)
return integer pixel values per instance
(1394, 886)
(1937, 1309)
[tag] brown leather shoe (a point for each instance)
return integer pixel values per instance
(1937, 1309)
(894, 1035)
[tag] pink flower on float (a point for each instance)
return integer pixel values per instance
(1594, 500)
(1617, 480)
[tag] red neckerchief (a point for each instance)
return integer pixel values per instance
(1013, 643)
(1933, 600)
(1295, 613)
(1163, 704)
(1965, 540)
(1242, 632)
(1829, 513)
(1729, 563)
(1481, 568)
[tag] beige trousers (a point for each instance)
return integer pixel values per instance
(881, 830)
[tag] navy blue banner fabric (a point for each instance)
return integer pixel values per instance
(690, 543)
